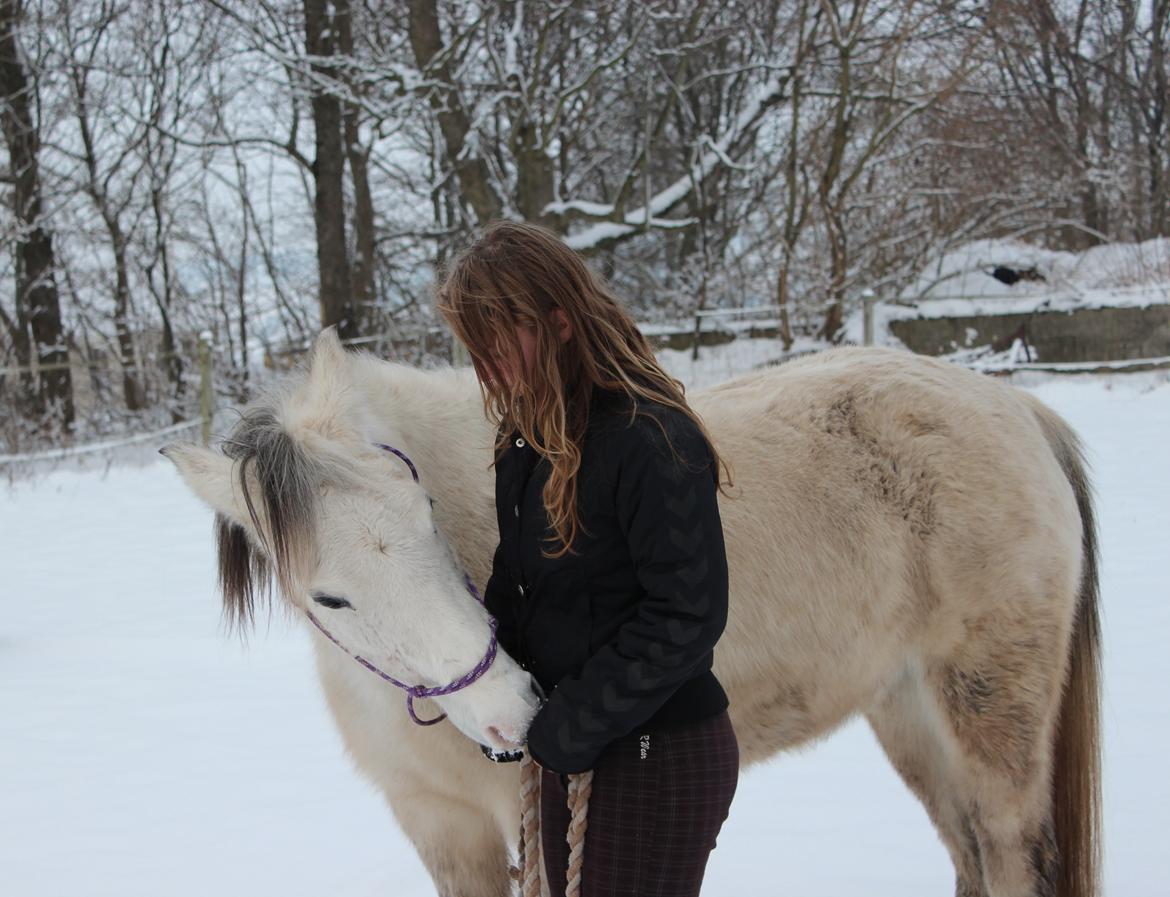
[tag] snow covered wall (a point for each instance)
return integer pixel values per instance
(1110, 302)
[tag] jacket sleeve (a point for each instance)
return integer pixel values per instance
(670, 517)
(498, 598)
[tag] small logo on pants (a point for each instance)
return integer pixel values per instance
(645, 746)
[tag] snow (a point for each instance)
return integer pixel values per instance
(585, 206)
(960, 282)
(665, 200)
(511, 37)
(144, 752)
(718, 363)
(1052, 301)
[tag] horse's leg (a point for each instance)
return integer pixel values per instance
(908, 725)
(1016, 838)
(460, 844)
(1000, 701)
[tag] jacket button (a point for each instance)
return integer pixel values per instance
(520, 589)
(520, 443)
(517, 510)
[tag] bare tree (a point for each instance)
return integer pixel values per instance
(1092, 77)
(175, 43)
(322, 26)
(36, 329)
(110, 165)
(879, 86)
(1140, 72)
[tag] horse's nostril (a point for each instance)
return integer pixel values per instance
(507, 742)
(537, 690)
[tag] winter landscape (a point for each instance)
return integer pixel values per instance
(190, 192)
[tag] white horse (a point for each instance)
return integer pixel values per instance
(906, 540)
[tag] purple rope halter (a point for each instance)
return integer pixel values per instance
(422, 691)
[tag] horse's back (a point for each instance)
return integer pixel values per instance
(882, 417)
(884, 503)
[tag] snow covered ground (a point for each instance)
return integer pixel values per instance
(143, 752)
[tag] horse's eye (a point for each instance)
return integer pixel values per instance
(330, 602)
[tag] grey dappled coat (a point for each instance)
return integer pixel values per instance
(620, 631)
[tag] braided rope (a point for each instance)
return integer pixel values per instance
(580, 787)
(530, 826)
(527, 871)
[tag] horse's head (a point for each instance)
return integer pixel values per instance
(303, 498)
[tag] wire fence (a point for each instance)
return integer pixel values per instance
(211, 384)
(124, 407)
(110, 402)
(92, 448)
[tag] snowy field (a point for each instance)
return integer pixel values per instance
(143, 752)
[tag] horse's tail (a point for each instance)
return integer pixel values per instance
(1076, 779)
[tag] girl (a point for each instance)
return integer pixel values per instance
(610, 579)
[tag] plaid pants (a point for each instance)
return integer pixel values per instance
(659, 799)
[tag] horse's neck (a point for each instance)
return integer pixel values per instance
(437, 418)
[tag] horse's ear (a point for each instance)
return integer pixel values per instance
(328, 353)
(212, 476)
(328, 401)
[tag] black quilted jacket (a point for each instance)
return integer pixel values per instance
(620, 633)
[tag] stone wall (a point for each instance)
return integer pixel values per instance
(1087, 334)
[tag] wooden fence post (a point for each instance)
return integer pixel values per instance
(206, 395)
(459, 356)
(868, 298)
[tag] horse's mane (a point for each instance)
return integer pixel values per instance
(280, 482)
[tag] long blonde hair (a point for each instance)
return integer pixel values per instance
(516, 274)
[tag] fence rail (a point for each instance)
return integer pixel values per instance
(1126, 366)
(737, 311)
(93, 448)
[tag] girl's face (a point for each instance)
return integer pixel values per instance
(511, 369)
(507, 365)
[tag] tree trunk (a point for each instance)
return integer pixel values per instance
(242, 297)
(37, 299)
(365, 238)
(365, 245)
(336, 294)
(163, 300)
(838, 260)
(132, 389)
(1158, 123)
(454, 124)
(535, 175)
(782, 301)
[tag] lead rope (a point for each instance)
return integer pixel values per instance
(527, 872)
(580, 787)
